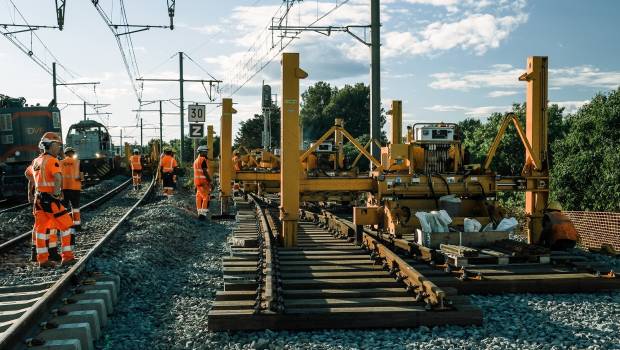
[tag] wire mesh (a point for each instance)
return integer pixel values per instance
(596, 228)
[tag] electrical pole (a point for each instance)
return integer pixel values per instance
(181, 81)
(161, 128)
(55, 103)
(84, 110)
(141, 144)
(375, 77)
(120, 151)
(181, 106)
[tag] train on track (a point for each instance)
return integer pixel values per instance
(93, 145)
(21, 128)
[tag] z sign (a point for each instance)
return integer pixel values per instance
(196, 131)
(196, 113)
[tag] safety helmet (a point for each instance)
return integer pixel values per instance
(554, 205)
(48, 138)
(69, 150)
(236, 153)
(136, 151)
(202, 148)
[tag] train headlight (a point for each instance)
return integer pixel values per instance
(97, 155)
(75, 156)
(17, 153)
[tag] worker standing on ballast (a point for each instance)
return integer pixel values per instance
(72, 179)
(49, 213)
(202, 181)
(136, 169)
(168, 168)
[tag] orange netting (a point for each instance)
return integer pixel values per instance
(596, 228)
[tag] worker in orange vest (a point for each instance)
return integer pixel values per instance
(136, 169)
(168, 167)
(49, 213)
(72, 179)
(202, 181)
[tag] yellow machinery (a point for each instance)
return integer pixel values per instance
(420, 173)
(415, 175)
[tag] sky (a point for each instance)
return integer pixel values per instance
(445, 59)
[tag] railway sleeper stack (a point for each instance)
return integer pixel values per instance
(325, 282)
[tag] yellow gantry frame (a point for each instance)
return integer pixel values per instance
(340, 129)
(498, 138)
(536, 131)
(226, 168)
(210, 135)
(291, 162)
(396, 135)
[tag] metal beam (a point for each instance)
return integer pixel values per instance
(290, 164)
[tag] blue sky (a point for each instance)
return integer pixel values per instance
(446, 59)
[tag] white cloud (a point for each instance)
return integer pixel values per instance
(481, 111)
(505, 76)
(501, 93)
(477, 32)
(570, 106)
(207, 29)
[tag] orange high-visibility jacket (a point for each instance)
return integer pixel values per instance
(168, 163)
(200, 177)
(136, 164)
(71, 174)
(44, 168)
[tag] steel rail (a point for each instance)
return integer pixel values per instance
(24, 236)
(15, 207)
(20, 330)
(401, 270)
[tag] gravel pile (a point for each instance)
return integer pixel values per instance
(170, 268)
(18, 222)
(16, 267)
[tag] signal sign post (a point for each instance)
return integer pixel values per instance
(196, 116)
(196, 113)
(196, 131)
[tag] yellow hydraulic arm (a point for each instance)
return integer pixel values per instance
(500, 134)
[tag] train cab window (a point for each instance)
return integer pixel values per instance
(56, 120)
(6, 123)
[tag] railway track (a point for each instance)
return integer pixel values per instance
(325, 282)
(27, 294)
(9, 207)
(329, 282)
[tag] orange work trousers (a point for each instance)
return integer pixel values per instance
(50, 214)
(202, 198)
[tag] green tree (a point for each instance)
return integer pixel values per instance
(586, 172)
(250, 132)
(314, 101)
(322, 104)
(510, 155)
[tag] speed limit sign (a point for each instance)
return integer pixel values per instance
(196, 113)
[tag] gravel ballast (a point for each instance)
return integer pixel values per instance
(171, 267)
(20, 221)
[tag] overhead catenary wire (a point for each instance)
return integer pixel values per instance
(251, 64)
(14, 39)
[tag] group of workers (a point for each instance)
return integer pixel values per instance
(53, 186)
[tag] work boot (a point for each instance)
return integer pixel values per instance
(54, 256)
(78, 227)
(68, 262)
(33, 253)
(201, 217)
(47, 265)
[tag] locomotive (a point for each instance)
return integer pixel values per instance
(92, 143)
(21, 128)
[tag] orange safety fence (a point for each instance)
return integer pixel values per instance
(596, 228)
